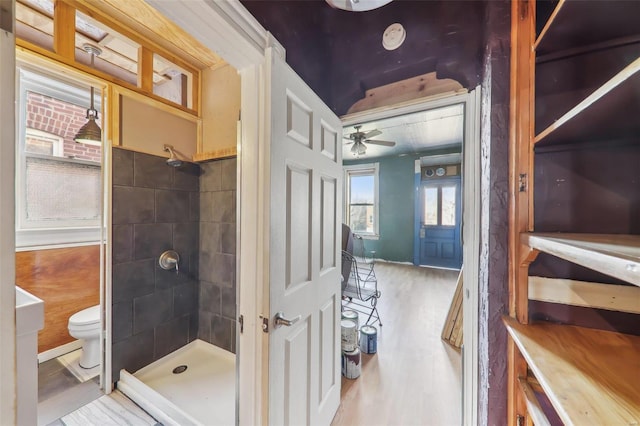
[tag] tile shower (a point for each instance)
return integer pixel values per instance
(192, 210)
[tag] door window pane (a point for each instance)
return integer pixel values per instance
(448, 206)
(431, 206)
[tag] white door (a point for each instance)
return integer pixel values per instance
(304, 248)
(7, 208)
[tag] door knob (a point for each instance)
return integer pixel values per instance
(281, 320)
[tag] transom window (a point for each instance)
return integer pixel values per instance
(361, 198)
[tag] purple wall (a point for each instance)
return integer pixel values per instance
(494, 288)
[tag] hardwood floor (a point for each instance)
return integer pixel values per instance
(415, 378)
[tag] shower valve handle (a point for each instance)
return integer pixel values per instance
(169, 260)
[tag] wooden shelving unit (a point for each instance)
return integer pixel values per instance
(585, 373)
(589, 376)
(614, 255)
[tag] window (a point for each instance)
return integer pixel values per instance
(439, 204)
(361, 199)
(59, 181)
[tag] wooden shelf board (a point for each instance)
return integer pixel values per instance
(614, 255)
(215, 155)
(578, 23)
(606, 108)
(590, 376)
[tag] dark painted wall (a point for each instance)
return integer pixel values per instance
(339, 54)
(494, 284)
(586, 188)
(397, 205)
(217, 305)
(155, 208)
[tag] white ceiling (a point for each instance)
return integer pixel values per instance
(412, 133)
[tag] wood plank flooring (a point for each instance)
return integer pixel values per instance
(415, 378)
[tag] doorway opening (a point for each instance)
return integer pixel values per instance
(439, 203)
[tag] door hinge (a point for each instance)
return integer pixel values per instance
(522, 182)
(265, 324)
(241, 322)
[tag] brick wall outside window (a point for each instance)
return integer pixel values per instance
(62, 119)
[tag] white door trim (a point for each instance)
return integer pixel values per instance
(470, 219)
(7, 216)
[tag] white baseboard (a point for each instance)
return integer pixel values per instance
(60, 350)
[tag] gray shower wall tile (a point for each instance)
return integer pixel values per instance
(185, 299)
(132, 353)
(122, 161)
(132, 279)
(152, 310)
(228, 174)
(133, 205)
(228, 238)
(204, 326)
(122, 248)
(223, 209)
(171, 335)
(209, 238)
(151, 240)
(211, 177)
(172, 206)
(221, 332)
(150, 171)
(194, 206)
(228, 302)
(224, 268)
(186, 238)
(210, 298)
(206, 207)
(187, 177)
(122, 323)
(170, 278)
(193, 326)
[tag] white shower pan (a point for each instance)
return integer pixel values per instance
(203, 394)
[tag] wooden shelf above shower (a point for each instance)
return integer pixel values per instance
(215, 155)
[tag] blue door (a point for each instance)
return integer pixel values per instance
(439, 223)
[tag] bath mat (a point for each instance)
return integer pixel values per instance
(71, 362)
(114, 409)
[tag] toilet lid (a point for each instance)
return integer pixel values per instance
(86, 316)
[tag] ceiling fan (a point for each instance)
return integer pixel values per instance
(359, 139)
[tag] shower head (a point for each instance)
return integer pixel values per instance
(173, 161)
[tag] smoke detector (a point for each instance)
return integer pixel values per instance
(393, 36)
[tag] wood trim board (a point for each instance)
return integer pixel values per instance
(580, 293)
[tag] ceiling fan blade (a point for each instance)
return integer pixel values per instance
(348, 142)
(372, 133)
(349, 138)
(379, 142)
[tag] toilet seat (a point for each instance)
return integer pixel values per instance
(86, 318)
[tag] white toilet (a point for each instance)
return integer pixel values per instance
(85, 325)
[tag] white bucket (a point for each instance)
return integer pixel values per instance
(352, 316)
(349, 334)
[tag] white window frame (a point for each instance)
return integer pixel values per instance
(56, 141)
(359, 170)
(34, 235)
